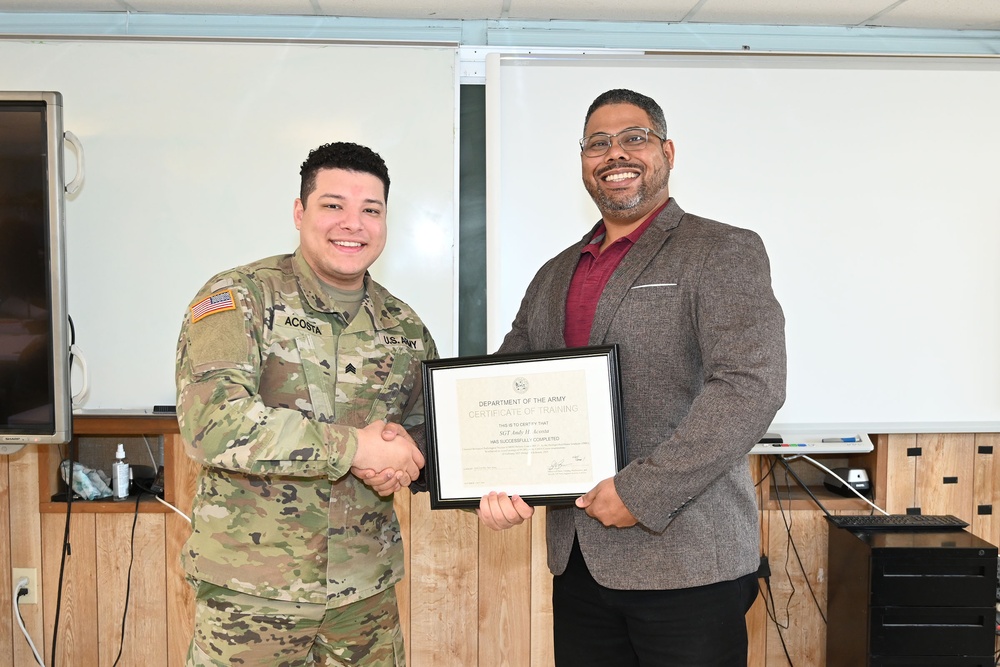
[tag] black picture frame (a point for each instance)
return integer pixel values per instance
(545, 425)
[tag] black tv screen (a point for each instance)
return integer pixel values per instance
(35, 405)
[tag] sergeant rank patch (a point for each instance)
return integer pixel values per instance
(215, 303)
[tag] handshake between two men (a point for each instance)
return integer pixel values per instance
(387, 458)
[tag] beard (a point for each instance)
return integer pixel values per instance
(621, 204)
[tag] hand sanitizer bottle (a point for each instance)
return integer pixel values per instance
(120, 474)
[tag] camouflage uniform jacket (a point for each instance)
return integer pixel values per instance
(272, 384)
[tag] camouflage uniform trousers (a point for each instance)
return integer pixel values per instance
(232, 628)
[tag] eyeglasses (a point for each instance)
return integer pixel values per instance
(630, 139)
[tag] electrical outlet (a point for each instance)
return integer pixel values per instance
(31, 574)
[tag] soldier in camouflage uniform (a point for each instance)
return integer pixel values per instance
(298, 377)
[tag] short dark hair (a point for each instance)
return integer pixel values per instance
(625, 96)
(341, 155)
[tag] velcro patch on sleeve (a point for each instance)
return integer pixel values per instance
(215, 303)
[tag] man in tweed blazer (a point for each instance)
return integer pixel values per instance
(657, 565)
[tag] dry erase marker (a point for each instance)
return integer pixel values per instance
(851, 439)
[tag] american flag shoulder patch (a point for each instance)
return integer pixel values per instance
(216, 303)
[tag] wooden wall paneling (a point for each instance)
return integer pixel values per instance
(77, 639)
(180, 595)
(797, 554)
(944, 479)
(877, 466)
(25, 547)
(757, 628)
(505, 596)
(49, 475)
(757, 618)
(444, 577)
(131, 569)
(180, 486)
(542, 651)
(7, 630)
(986, 487)
(401, 506)
(901, 490)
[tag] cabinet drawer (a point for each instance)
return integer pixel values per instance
(932, 631)
(939, 582)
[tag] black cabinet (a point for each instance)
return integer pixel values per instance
(910, 598)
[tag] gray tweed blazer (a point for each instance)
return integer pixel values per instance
(703, 373)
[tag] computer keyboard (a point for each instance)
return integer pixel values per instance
(897, 521)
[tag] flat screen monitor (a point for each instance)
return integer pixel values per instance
(35, 401)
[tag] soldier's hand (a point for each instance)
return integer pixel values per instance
(384, 447)
(390, 480)
(384, 483)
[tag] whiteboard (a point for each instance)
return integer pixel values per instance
(192, 153)
(872, 181)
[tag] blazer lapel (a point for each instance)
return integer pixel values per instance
(631, 267)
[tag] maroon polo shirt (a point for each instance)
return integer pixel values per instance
(591, 275)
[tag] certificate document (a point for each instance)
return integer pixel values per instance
(545, 426)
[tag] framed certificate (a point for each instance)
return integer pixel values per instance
(546, 426)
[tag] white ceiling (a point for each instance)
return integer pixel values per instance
(924, 14)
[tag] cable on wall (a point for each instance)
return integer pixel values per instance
(20, 590)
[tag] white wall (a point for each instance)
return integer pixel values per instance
(192, 152)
